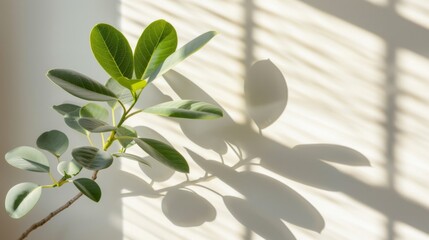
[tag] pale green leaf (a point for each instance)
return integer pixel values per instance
(89, 188)
(186, 109)
(123, 93)
(66, 108)
(181, 54)
(54, 141)
(157, 42)
(163, 153)
(80, 85)
(124, 132)
(28, 158)
(93, 110)
(112, 51)
(132, 157)
(70, 168)
(95, 125)
(92, 158)
(21, 198)
(71, 119)
(132, 84)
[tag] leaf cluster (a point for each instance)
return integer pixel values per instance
(130, 72)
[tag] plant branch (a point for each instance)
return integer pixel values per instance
(54, 213)
(111, 138)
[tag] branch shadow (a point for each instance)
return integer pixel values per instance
(266, 199)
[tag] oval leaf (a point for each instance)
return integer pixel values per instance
(123, 93)
(55, 142)
(89, 188)
(157, 42)
(163, 153)
(132, 157)
(80, 85)
(71, 120)
(93, 110)
(92, 158)
(95, 125)
(112, 51)
(21, 199)
(66, 108)
(69, 168)
(182, 53)
(186, 109)
(125, 131)
(28, 158)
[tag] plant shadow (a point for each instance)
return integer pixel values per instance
(266, 202)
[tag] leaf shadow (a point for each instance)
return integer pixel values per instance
(186, 208)
(266, 194)
(262, 224)
(265, 93)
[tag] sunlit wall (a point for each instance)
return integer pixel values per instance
(324, 134)
(325, 130)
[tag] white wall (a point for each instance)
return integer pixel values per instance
(324, 135)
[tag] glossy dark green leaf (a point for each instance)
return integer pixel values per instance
(71, 119)
(95, 125)
(182, 53)
(89, 188)
(157, 42)
(123, 93)
(125, 131)
(93, 110)
(80, 85)
(186, 109)
(54, 141)
(112, 51)
(70, 168)
(163, 153)
(132, 157)
(28, 158)
(92, 158)
(66, 108)
(21, 199)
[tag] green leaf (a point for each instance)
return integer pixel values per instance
(89, 188)
(66, 108)
(95, 125)
(21, 198)
(93, 110)
(69, 168)
(125, 131)
(112, 51)
(54, 141)
(123, 93)
(132, 157)
(71, 119)
(71, 114)
(163, 153)
(132, 84)
(92, 158)
(80, 85)
(157, 42)
(186, 109)
(182, 53)
(28, 158)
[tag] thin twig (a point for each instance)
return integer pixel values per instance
(54, 213)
